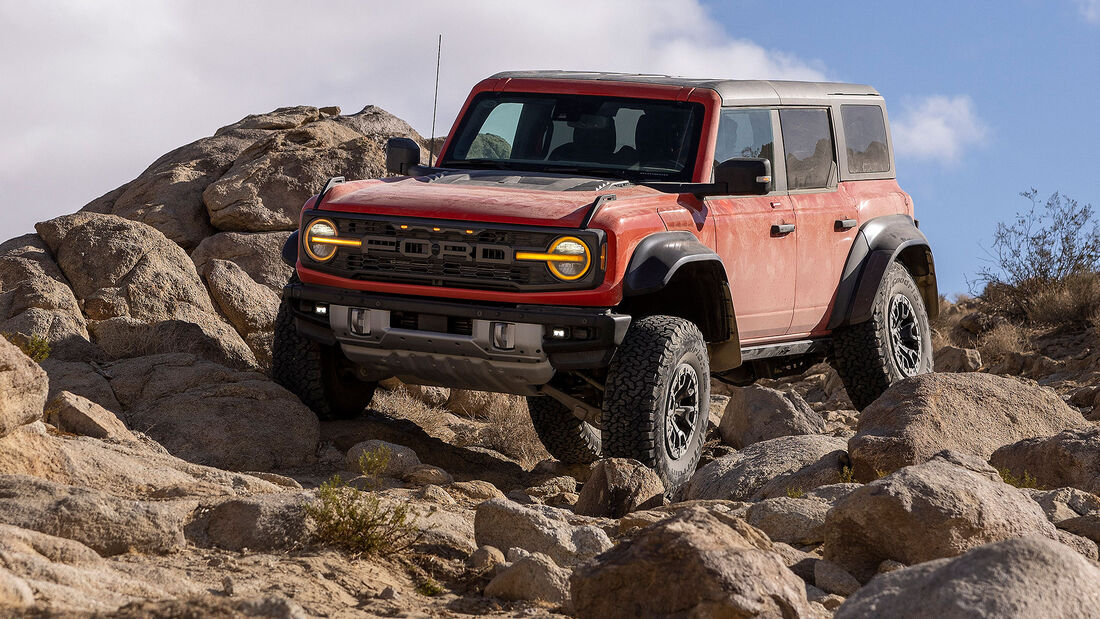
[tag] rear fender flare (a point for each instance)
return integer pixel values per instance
(880, 241)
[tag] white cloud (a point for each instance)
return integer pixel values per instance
(936, 127)
(1090, 10)
(94, 92)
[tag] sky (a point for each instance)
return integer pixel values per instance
(986, 99)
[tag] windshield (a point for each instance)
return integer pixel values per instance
(634, 139)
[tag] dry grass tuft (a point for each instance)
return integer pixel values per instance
(1005, 339)
(508, 429)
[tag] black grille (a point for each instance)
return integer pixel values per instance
(445, 253)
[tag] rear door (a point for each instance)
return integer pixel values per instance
(755, 234)
(827, 216)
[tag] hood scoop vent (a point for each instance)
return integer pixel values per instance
(543, 182)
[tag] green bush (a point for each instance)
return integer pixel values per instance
(360, 522)
(36, 348)
(1027, 480)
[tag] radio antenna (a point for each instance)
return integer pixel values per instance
(435, 101)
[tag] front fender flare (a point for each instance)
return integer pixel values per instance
(290, 250)
(657, 258)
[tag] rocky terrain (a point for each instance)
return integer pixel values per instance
(149, 467)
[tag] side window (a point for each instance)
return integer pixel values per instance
(808, 143)
(497, 135)
(865, 137)
(745, 133)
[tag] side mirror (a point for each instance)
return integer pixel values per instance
(401, 154)
(745, 177)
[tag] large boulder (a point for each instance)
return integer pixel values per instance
(618, 486)
(695, 564)
(743, 475)
(36, 301)
(210, 414)
(1069, 458)
(1012, 579)
(133, 470)
(937, 509)
(168, 194)
(971, 413)
(271, 179)
(756, 413)
(505, 524)
(110, 525)
(143, 290)
(258, 253)
(23, 385)
(799, 521)
(250, 307)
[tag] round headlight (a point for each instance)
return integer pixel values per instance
(319, 237)
(569, 259)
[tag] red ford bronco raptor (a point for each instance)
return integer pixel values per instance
(604, 244)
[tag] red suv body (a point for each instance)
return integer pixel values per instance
(567, 209)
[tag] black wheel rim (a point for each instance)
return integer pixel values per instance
(905, 335)
(682, 418)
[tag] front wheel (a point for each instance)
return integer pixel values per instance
(566, 437)
(657, 397)
(321, 376)
(895, 343)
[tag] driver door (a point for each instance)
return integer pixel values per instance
(755, 235)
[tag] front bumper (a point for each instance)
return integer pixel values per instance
(456, 344)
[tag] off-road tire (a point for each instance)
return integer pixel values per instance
(863, 354)
(636, 397)
(566, 437)
(322, 378)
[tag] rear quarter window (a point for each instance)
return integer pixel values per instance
(865, 139)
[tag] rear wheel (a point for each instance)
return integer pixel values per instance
(895, 343)
(321, 376)
(657, 397)
(566, 437)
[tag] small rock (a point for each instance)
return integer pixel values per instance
(798, 521)
(757, 413)
(475, 490)
(69, 412)
(435, 494)
(829, 576)
(399, 460)
(889, 565)
(741, 476)
(389, 593)
(955, 359)
(227, 585)
(535, 577)
(506, 524)
(426, 474)
(485, 558)
(619, 486)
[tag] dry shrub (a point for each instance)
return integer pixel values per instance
(509, 430)
(398, 403)
(1002, 340)
(1074, 300)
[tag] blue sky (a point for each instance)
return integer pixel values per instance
(986, 99)
(1030, 68)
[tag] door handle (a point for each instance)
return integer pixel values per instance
(782, 229)
(845, 224)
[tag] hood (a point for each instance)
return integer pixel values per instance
(499, 197)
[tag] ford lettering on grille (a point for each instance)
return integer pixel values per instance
(443, 250)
